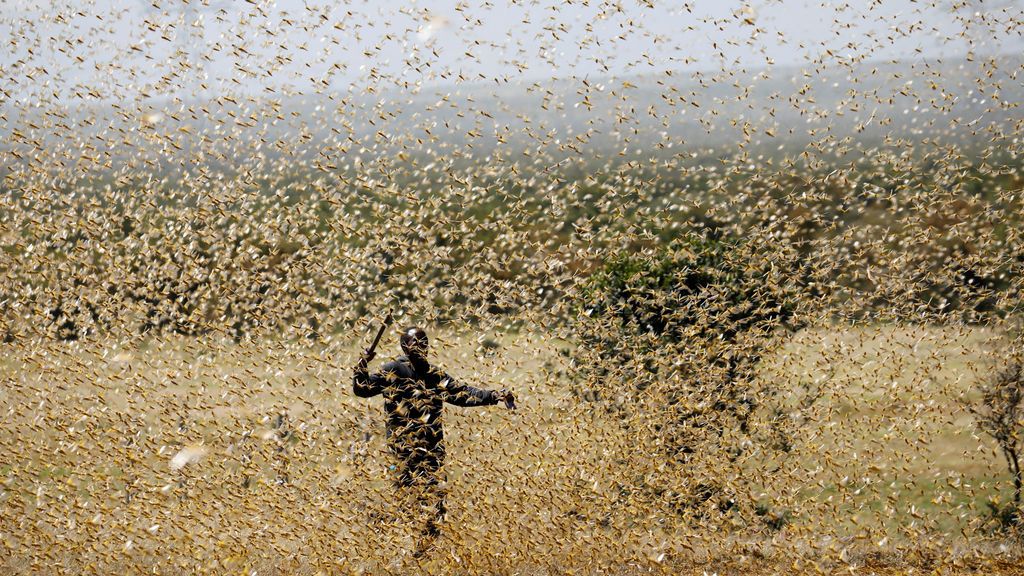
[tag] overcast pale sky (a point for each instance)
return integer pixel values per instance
(124, 49)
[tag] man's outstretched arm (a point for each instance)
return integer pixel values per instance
(464, 395)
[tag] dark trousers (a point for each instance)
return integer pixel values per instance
(419, 482)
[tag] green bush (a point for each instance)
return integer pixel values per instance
(670, 339)
(702, 287)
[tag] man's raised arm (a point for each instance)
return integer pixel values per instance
(364, 384)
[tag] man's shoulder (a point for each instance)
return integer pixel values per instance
(402, 367)
(399, 366)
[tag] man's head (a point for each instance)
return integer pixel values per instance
(415, 343)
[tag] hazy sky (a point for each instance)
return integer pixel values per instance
(126, 49)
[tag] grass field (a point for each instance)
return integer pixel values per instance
(187, 456)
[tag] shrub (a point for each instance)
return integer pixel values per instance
(670, 339)
(1000, 414)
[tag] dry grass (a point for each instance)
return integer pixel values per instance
(886, 476)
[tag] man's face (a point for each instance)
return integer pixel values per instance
(415, 344)
(417, 349)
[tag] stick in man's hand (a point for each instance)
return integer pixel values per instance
(371, 352)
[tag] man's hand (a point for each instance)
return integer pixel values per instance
(365, 358)
(508, 398)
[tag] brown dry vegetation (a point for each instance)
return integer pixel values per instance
(887, 474)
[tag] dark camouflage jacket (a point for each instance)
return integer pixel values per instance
(414, 396)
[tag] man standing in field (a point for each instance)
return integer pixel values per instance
(414, 395)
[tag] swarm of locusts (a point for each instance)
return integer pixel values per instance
(750, 274)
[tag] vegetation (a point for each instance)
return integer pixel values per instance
(1000, 414)
(194, 263)
(670, 340)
